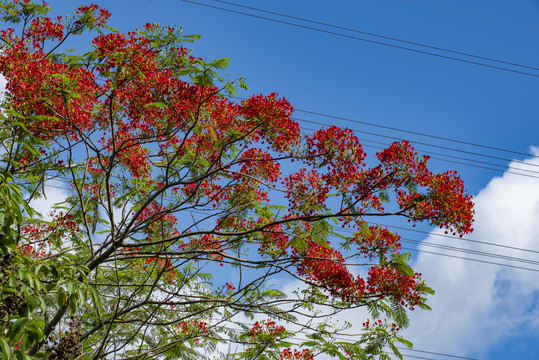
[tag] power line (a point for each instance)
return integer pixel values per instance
(417, 357)
(456, 162)
(470, 251)
(501, 169)
(466, 251)
(367, 123)
(432, 145)
(380, 36)
(470, 259)
(436, 353)
(427, 144)
(458, 238)
(366, 40)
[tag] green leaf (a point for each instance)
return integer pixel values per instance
(243, 85)
(230, 90)
(395, 350)
(95, 296)
(141, 74)
(72, 305)
(31, 283)
(61, 297)
(406, 343)
(45, 118)
(400, 316)
(5, 353)
(71, 288)
(14, 114)
(17, 328)
(22, 356)
(82, 295)
(192, 37)
(62, 77)
(220, 64)
(156, 104)
(35, 330)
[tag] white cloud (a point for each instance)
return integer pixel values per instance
(54, 194)
(477, 305)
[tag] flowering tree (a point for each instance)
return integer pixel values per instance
(185, 210)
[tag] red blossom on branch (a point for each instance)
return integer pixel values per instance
(327, 269)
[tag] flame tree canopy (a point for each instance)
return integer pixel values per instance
(185, 212)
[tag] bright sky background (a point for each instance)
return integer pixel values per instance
(481, 311)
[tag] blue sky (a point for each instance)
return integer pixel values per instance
(481, 310)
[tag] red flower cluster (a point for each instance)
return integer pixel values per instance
(92, 13)
(272, 120)
(258, 166)
(207, 243)
(306, 192)
(388, 281)
(274, 240)
(444, 203)
(229, 286)
(327, 269)
(266, 327)
(39, 89)
(394, 328)
(193, 328)
(340, 151)
(32, 251)
(61, 224)
(41, 29)
(376, 240)
(288, 354)
(156, 221)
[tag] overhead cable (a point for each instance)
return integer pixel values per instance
(415, 133)
(432, 145)
(380, 36)
(470, 259)
(470, 251)
(435, 353)
(426, 144)
(367, 40)
(501, 169)
(368, 123)
(457, 238)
